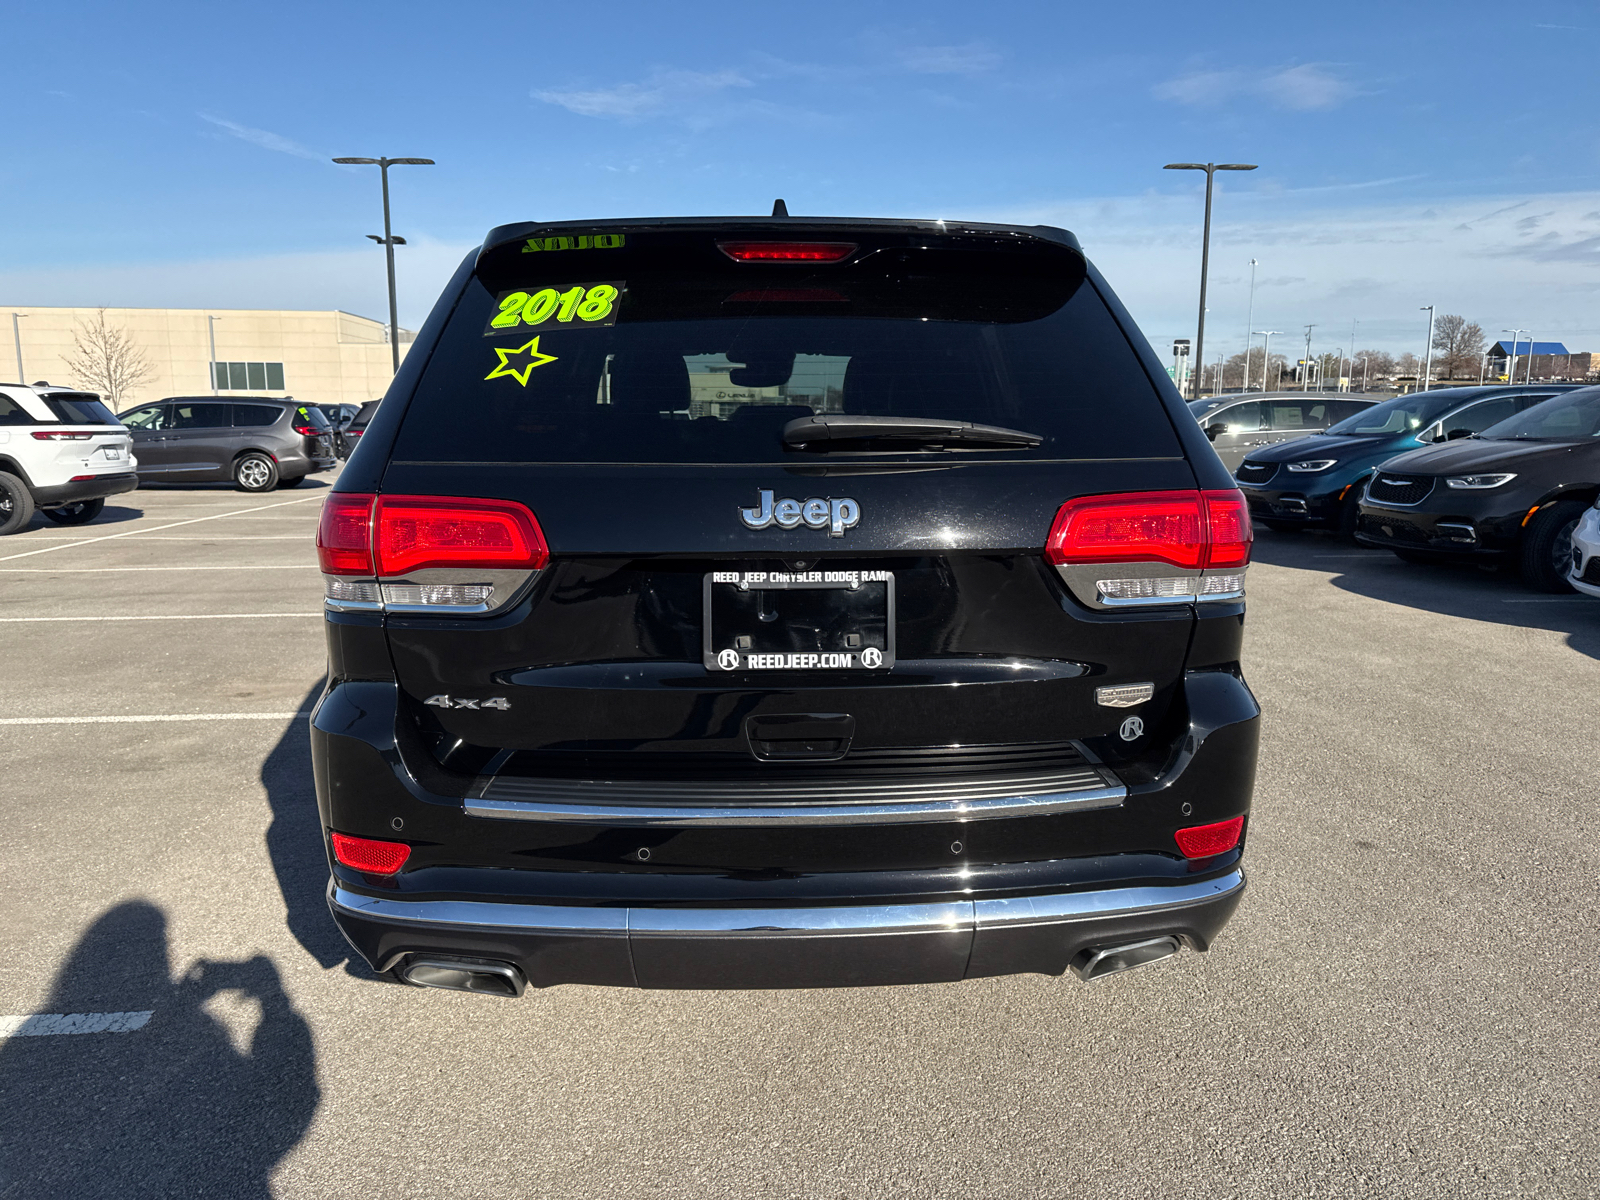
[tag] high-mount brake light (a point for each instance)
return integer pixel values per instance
(1207, 841)
(417, 532)
(344, 534)
(816, 252)
(369, 854)
(1204, 536)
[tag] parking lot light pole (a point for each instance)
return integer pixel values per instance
(211, 331)
(388, 241)
(1511, 362)
(1249, 320)
(1305, 376)
(1427, 357)
(1205, 254)
(1266, 336)
(16, 336)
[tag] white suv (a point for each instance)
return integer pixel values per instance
(62, 452)
(1585, 573)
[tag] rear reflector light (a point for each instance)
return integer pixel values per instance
(787, 251)
(50, 435)
(1205, 841)
(369, 855)
(415, 532)
(79, 478)
(344, 535)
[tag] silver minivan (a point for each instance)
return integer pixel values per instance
(1237, 425)
(259, 442)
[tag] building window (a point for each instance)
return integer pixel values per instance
(247, 377)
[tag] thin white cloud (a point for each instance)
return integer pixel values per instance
(660, 92)
(1303, 88)
(974, 58)
(260, 137)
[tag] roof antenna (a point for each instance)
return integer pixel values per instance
(780, 209)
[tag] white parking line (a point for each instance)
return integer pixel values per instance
(146, 719)
(164, 617)
(174, 525)
(99, 570)
(181, 537)
(52, 1024)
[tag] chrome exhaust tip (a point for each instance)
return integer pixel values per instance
(465, 975)
(1097, 963)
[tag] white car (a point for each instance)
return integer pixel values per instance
(62, 452)
(1585, 573)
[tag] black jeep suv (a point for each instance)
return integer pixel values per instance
(781, 602)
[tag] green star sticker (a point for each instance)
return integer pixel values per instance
(519, 363)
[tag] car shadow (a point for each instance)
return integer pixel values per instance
(295, 847)
(188, 1104)
(1465, 590)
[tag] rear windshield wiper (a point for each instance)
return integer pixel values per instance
(924, 431)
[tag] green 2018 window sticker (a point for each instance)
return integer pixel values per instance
(574, 306)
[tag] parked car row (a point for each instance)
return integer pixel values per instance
(62, 451)
(1496, 475)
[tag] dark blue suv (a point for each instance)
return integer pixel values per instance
(1315, 482)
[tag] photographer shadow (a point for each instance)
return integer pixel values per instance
(174, 1107)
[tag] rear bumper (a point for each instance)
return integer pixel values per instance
(782, 947)
(85, 489)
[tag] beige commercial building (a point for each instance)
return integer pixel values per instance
(318, 357)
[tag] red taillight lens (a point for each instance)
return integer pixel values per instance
(307, 430)
(787, 251)
(1190, 530)
(414, 532)
(1228, 517)
(51, 435)
(1136, 527)
(1204, 841)
(370, 855)
(344, 535)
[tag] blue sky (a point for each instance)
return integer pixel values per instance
(1410, 154)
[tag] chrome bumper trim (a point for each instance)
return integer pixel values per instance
(670, 805)
(777, 922)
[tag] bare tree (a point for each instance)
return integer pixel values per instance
(105, 359)
(1459, 343)
(1372, 366)
(1408, 364)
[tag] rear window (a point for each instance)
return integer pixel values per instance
(364, 415)
(79, 408)
(254, 415)
(12, 413)
(1565, 418)
(666, 350)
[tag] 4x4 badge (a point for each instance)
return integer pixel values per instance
(499, 702)
(833, 515)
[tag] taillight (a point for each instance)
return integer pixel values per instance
(787, 251)
(369, 854)
(415, 532)
(306, 430)
(51, 435)
(344, 535)
(1207, 841)
(1204, 535)
(382, 538)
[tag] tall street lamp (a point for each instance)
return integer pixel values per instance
(1305, 377)
(1205, 250)
(16, 335)
(1250, 319)
(1427, 360)
(1266, 336)
(1511, 363)
(388, 241)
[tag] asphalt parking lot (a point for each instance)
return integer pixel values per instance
(1405, 1004)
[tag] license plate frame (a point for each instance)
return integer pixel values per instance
(825, 607)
